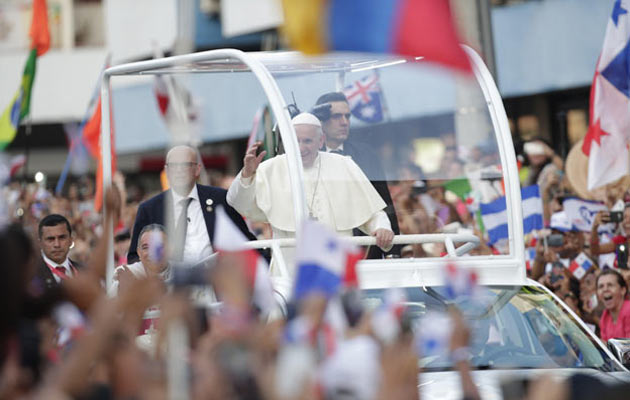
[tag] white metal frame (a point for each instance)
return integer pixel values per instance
(504, 269)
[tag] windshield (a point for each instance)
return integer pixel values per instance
(423, 137)
(518, 327)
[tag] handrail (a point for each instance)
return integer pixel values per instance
(470, 241)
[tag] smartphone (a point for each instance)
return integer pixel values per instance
(622, 256)
(615, 216)
(260, 149)
(555, 240)
(557, 273)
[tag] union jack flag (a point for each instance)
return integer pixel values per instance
(365, 99)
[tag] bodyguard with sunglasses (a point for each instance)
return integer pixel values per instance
(333, 111)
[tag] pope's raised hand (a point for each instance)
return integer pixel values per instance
(251, 160)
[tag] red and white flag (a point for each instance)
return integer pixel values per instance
(16, 163)
(229, 239)
(175, 102)
(606, 143)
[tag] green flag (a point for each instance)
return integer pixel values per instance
(461, 187)
(20, 106)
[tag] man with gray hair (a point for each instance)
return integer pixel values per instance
(337, 192)
(186, 206)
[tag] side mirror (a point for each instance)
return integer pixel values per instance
(621, 349)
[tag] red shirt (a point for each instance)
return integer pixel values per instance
(620, 329)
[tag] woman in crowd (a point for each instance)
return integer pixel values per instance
(612, 291)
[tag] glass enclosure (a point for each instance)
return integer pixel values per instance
(421, 137)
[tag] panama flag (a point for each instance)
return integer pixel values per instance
(386, 318)
(324, 262)
(228, 239)
(460, 282)
(606, 142)
(365, 98)
(580, 265)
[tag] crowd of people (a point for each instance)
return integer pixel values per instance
(64, 336)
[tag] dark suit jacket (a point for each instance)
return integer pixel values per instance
(45, 276)
(152, 212)
(369, 163)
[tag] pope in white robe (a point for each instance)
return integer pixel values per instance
(337, 192)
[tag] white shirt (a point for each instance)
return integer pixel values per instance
(65, 264)
(197, 245)
(329, 149)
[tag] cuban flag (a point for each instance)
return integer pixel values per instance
(606, 142)
(494, 214)
(228, 239)
(324, 262)
(365, 98)
(580, 265)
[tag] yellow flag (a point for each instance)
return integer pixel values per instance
(305, 23)
(10, 120)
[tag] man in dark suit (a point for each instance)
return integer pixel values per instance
(188, 207)
(333, 111)
(55, 239)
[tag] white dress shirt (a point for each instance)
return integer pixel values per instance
(65, 264)
(197, 245)
(329, 149)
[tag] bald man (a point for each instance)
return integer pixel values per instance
(188, 207)
(338, 194)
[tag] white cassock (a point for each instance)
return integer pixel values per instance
(337, 192)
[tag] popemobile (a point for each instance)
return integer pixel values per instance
(416, 135)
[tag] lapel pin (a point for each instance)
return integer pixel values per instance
(209, 202)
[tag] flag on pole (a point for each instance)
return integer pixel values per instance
(39, 32)
(407, 27)
(92, 140)
(364, 97)
(581, 213)
(494, 214)
(228, 239)
(20, 106)
(608, 136)
(175, 102)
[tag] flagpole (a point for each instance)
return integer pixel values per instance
(27, 146)
(384, 106)
(106, 168)
(340, 81)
